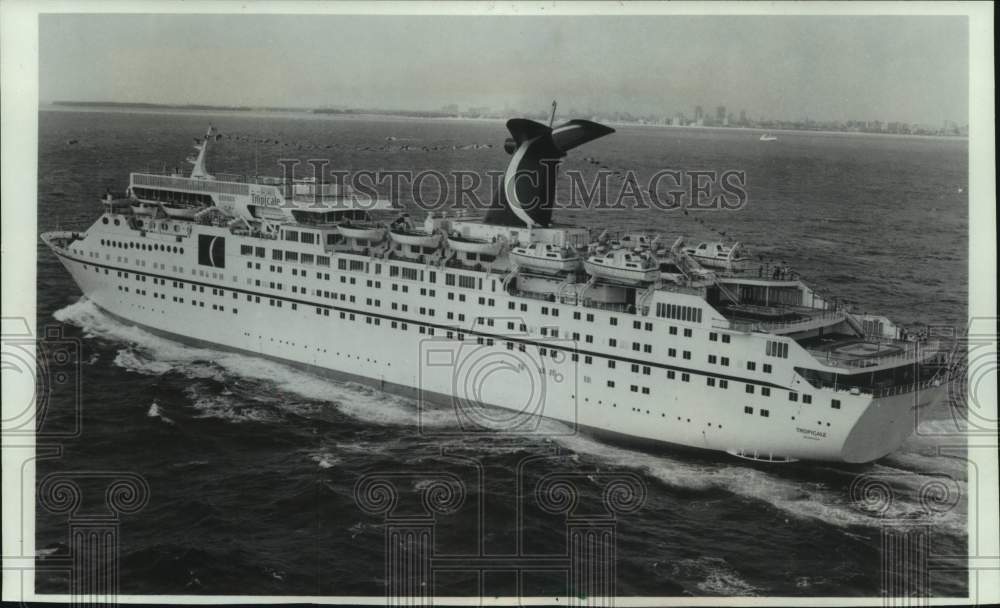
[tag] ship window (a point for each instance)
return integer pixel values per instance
(687, 333)
(765, 413)
(673, 330)
(835, 404)
(104, 220)
(636, 324)
(611, 383)
(793, 396)
(724, 361)
(749, 389)
(747, 409)
(612, 342)
(711, 358)
(687, 354)
(308, 237)
(291, 235)
(767, 368)
(765, 391)
(611, 364)
(671, 352)
(723, 383)
(647, 348)
(614, 320)
(710, 381)
(712, 336)
(725, 338)
(670, 374)
(276, 254)
(807, 399)
(685, 377)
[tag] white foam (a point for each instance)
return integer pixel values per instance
(799, 499)
(154, 412)
(325, 460)
(718, 578)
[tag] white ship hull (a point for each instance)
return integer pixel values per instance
(565, 380)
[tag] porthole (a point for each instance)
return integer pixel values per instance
(117, 222)
(104, 220)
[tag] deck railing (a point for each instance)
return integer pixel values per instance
(913, 352)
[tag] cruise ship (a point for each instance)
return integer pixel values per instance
(508, 317)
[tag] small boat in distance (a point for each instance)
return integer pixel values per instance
(768, 137)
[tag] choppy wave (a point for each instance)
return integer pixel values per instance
(804, 500)
(714, 576)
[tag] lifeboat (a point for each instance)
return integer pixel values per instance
(417, 238)
(722, 257)
(470, 245)
(623, 266)
(181, 213)
(144, 209)
(548, 259)
(362, 231)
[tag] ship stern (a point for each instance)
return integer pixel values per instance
(888, 421)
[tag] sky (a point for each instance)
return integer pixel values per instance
(912, 69)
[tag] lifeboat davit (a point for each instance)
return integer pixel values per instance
(363, 232)
(470, 245)
(623, 266)
(548, 259)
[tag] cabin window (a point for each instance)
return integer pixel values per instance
(308, 237)
(291, 235)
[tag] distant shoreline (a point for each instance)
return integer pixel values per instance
(158, 108)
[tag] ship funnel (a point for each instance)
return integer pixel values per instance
(528, 190)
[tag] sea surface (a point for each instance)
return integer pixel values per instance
(252, 466)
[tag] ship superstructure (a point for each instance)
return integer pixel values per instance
(617, 332)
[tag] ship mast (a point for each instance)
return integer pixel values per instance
(199, 171)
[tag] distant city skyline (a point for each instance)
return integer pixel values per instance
(791, 68)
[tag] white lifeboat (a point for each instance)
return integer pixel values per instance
(723, 257)
(623, 266)
(470, 245)
(404, 232)
(362, 231)
(181, 213)
(144, 209)
(548, 259)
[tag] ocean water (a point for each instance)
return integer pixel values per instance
(252, 465)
